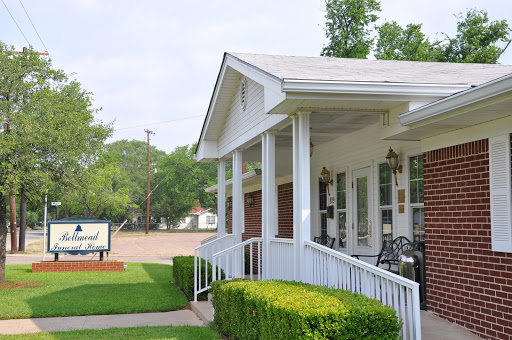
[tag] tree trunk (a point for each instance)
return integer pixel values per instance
(14, 229)
(23, 219)
(3, 237)
(67, 210)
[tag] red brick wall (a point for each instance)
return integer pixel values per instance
(467, 283)
(253, 214)
(285, 208)
(78, 266)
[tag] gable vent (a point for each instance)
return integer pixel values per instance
(243, 93)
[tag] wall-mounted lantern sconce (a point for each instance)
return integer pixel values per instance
(250, 199)
(229, 203)
(311, 146)
(394, 163)
(326, 177)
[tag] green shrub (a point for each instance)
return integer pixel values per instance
(290, 310)
(183, 269)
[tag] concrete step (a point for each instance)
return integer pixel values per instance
(203, 309)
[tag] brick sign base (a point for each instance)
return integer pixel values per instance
(78, 266)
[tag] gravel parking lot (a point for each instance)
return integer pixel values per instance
(157, 247)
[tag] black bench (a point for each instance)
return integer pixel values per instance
(325, 240)
(391, 250)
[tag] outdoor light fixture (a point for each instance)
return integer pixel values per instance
(326, 177)
(394, 163)
(250, 199)
(229, 203)
(311, 146)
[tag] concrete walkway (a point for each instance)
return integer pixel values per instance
(184, 317)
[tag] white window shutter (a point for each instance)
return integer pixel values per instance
(500, 178)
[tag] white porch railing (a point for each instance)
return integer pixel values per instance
(205, 252)
(323, 267)
(326, 267)
(281, 249)
(232, 260)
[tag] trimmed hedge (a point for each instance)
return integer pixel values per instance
(183, 270)
(290, 310)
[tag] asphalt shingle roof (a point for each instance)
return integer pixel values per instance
(365, 70)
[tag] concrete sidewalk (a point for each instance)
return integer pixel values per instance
(184, 317)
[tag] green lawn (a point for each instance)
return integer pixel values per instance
(162, 332)
(143, 287)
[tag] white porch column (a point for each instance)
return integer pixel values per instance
(238, 197)
(268, 211)
(301, 192)
(221, 198)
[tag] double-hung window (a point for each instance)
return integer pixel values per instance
(386, 202)
(322, 190)
(416, 197)
(341, 209)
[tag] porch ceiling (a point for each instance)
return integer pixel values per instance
(324, 127)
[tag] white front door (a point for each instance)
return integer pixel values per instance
(362, 226)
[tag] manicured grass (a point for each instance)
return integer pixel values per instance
(161, 332)
(143, 287)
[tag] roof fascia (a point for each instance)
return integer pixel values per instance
(260, 76)
(266, 79)
(488, 91)
(220, 77)
(245, 176)
(370, 88)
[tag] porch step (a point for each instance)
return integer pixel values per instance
(203, 309)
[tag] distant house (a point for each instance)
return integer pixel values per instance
(199, 218)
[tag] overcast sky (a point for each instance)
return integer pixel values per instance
(153, 64)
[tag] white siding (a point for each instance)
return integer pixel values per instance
(241, 126)
(355, 151)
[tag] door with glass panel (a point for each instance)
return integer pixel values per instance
(362, 226)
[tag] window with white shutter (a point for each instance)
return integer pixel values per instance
(500, 178)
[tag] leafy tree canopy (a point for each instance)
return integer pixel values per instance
(182, 182)
(49, 130)
(478, 40)
(347, 28)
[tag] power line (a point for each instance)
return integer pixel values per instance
(28, 16)
(167, 121)
(15, 22)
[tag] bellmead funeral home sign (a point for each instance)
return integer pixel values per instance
(78, 236)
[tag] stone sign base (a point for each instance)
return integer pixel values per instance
(78, 266)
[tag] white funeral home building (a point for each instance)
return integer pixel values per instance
(322, 128)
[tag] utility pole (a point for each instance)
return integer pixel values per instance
(149, 170)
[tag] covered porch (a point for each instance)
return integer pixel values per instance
(298, 116)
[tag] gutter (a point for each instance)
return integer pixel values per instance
(371, 88)
(488, 91)
(246, 176)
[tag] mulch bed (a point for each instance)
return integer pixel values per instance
(19, 284)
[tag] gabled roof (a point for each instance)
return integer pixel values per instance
(365, 70)
(198, 210)
(288, 80)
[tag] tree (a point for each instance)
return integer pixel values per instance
(100, 194)
(397, 43)
(131, 157)
(347, 27)
(477, 39)
(50, 132)
(182, 183)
